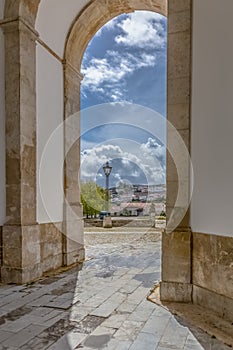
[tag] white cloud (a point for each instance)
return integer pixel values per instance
(100, 124)
(106, 75)
(108, 26)
(127, 161)
(134, 40)
(142, 29)
(117, 95)
(153, 149)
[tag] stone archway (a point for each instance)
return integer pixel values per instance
(86, 24)
(21, 233)
(91, 20)
(21, 9)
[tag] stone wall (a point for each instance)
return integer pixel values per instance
(0, 250)
(2, 132)
(213, 273)
(46, 242)
(119, 223)
(51, 246)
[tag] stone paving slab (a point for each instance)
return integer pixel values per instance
(103, 306)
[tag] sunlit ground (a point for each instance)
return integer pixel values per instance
(102, 306)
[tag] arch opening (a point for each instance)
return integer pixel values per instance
(117, 60)
(84, 26)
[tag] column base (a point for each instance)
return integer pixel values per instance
(176, 292)
(176, 266)
(74, 257)
(30, 251)
(176, 256)
(73, 242)
(21, 254)
(20, 276)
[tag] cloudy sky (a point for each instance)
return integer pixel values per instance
(123, 100)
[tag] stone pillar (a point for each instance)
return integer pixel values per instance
(21, 235)
(176, 246)
(73, 227)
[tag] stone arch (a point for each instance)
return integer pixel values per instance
(24, 9)
(87, 23)
(21, 225)
(95, 16)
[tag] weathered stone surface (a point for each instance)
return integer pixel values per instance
(172, 212)
(73, 237)
(178, 102)
(183, 187)
(73, 208)
(52, 262)
(20, 276)
(20, 123)
(73, 249)
(179, 22)
(51, 246)
(178, 90)
(220, 304)
(178, 179)
(30, 245)
(213, 263)
(1, 257)
(171, 174)
(159, 6)
(26, 9)
(177, 292)
(179, 116)
(28, 251)
(21, 253)
(179, 5)
(176, 257)
(179, 45)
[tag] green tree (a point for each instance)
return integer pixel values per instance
(92, 198)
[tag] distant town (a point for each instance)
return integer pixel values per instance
(135, 200)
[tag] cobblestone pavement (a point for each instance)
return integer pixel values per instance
(103, 306)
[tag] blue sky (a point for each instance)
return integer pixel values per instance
(124, 70)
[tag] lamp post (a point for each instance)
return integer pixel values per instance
(107, 171)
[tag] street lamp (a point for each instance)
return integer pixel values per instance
(107, 171)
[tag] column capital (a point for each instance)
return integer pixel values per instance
(18, 24)
(67, 66)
